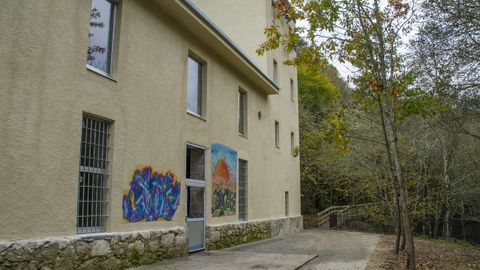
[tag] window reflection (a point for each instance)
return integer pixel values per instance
(194, 87)
(195, 202)
(100, 35)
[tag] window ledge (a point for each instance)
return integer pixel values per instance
(243, 135)
(196, 115)
(101, 73)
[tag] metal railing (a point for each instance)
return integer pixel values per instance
(339, 214)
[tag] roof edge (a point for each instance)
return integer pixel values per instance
(194, 9)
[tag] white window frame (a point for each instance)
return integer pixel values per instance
(112, 44)
(201, 87)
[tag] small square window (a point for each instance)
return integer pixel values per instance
(100, 36)
(195, 89)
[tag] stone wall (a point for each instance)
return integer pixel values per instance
(95, 251)
(232, 234)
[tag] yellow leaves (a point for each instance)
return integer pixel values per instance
(338, 131)
(273, 40)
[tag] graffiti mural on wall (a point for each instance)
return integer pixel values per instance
(151, 196)
(224, 180)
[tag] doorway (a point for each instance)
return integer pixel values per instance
(195, 185)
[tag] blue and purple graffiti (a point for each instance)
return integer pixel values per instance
(152, 196)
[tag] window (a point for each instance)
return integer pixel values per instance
(274, 10)
(242, 112)
(286, 203)
(92, 192)
(292, 142)
(275, 70)
(195, 207)
(195, 163)
(100, 36)
(292, 90)
(195, 87)
(277, 134)
(242, 189)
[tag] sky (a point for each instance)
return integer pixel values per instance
(346, 70)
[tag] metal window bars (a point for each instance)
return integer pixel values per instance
(93, 174)
(242, 189)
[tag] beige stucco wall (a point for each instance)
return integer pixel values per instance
(45, 88)
(245, 21)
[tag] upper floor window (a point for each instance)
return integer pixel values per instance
(195, 91)
(277, 134)
(292, 142)
(242, 112)
(100, 36)
(275, 70)
(292, 90)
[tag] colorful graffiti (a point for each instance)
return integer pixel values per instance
(151, 196)
(224, 180)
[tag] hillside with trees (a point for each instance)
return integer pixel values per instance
(404, 132)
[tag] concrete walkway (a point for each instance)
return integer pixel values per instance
(308, 250)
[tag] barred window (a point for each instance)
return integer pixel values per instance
(242, 189)
(92, 182)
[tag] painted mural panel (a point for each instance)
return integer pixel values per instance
(152, 196)
(224, 180)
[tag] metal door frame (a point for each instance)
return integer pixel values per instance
(196, 183)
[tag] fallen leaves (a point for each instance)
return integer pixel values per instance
(431, 255)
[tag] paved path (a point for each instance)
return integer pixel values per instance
(308, 250)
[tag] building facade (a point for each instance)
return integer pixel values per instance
(134, 131)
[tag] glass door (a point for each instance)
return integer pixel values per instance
(195, 184)
(196, 216)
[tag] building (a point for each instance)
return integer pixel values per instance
(134, 131)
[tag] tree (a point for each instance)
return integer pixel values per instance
(369, 37)
(451, 69)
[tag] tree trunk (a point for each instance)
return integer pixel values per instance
(402, 188)
(407, 227)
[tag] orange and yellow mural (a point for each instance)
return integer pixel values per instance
(224, 180)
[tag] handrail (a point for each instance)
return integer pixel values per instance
(343, 213)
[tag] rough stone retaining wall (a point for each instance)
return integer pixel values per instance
(95, 251)
(232, 234)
